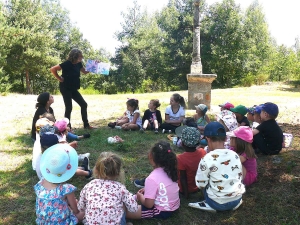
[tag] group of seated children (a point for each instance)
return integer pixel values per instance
(221, 171)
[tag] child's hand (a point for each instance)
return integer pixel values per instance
(74, 144)
(141, 191)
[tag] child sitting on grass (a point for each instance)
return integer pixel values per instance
(174, 114)
(105, 200)
(219, 174)
(55, 199)
(188, 161)
(241, 139)
(200, 117)
(152, 116)
(268, 136)
(160, 196)
(134, 117)
(240, 111)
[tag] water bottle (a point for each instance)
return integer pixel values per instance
(175, 140)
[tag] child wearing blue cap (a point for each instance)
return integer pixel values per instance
(268, 136)
(219, 173)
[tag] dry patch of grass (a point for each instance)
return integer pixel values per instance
(274, 199)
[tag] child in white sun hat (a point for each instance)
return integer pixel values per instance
(55, 200)
(200, 117)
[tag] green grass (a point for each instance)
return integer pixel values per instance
(274, 199)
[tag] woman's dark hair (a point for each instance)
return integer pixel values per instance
(163, 156)
(42, 99)
(133, 103)
(74, 54)
(155, 102)
(178, 98)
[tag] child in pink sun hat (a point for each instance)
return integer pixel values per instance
(241, 140)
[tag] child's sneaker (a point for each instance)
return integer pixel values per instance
(142, 130)
(139, 183)
(86, 136)
(202, 206)
(163, 131)
(156, 131)
(90, 174)
(170, 131)
(112, 124)
(82, 156)
(85, 164)
(238, 205)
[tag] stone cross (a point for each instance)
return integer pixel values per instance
(199, 85)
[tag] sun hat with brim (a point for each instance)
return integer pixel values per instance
(62, 124)
(190, 136)
(243, 132)
(47, 129)
(59, 163)
(227, 105)
(178, 130)
(239, 109)
(201, 107)
(214, 129)
(270, 108)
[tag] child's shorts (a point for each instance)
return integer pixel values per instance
(155, 213)
(250, 178)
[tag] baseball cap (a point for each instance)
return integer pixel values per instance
(270, 108)
(251, 109)
(190, 136)
(215, 129)
(243, 132)
(227, 105)
(201, 107)
(48, 140)
(257, 109)
(239, 109)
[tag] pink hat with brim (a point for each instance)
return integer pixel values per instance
(243, 132)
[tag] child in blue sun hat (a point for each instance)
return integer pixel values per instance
(55, 200)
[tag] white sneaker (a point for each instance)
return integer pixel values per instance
(238, 205)
(82, 156)
(202, 206)
(163, 131)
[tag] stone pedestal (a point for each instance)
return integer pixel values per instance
(199, 89)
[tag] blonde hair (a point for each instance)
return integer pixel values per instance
(242, 146)
(108, 167)
(74, 54)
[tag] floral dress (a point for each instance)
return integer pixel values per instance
(52, 206)
(103, 202)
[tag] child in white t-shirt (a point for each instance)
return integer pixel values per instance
(174, 114)
(160, 196)
(134, 115)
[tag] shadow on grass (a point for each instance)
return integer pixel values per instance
(274, 199)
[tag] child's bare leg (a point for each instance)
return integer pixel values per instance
(155, 124)
(132, 126)
(122, 121)
(80, 172)
(134, 215)
(145, 125)
(125, 126)
(244, 172)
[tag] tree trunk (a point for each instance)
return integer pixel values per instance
(28, 89)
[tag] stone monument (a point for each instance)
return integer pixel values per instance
(199, 85)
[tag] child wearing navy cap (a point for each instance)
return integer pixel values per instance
(268, 136)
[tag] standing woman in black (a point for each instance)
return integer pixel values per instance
(70, 83)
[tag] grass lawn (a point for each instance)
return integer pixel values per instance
(274, 199)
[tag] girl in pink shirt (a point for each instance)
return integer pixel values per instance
(160, 196)
(241, 139)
